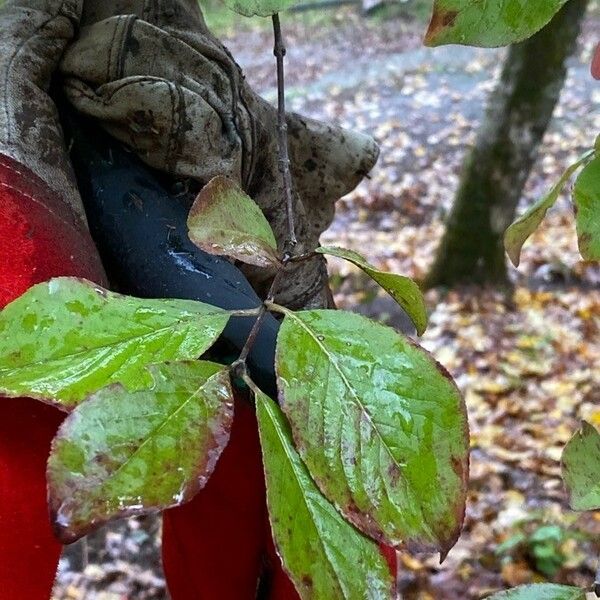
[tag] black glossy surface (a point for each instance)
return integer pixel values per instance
(137, 217)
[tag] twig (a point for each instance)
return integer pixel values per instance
(238, 368)
(261, 315)
(303, 257)
(284, 157)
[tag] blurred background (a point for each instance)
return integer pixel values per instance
(524, 347)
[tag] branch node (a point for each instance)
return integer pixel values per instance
(238, 369)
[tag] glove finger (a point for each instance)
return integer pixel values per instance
(176, 107)
(182, 15)
(33, 36)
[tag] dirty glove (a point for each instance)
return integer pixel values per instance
(154, 77)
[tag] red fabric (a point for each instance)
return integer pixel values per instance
(36, 243)
(213, 545)
(39, 237)
(28, 551)
(280, 585)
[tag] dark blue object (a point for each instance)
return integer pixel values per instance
(137, 217)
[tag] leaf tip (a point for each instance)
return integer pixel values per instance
(513, 246)
(421, 326)
(441, 22)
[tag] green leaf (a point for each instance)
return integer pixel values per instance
(586, 196)
(123, 453)
(380, 425)
(516, 235)
(402, 289)
(260, 8)
(489, 24)
(541, 591)
(67, 338)
(324, 556)
(581, 468)
(225, 220)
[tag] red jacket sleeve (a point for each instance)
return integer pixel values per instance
(38, 240)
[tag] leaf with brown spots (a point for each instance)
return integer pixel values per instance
(125, 453)
(380, 425)
(324, 556)
(67, 338)
(224, 220)
(497, 23)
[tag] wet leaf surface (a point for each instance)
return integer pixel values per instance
(325, 556)
(123, 453)
(402, 289)
(496, 23)
(226, 221)
(581, 468)
(586, 196)
(545, 591)
(379, 424)
(67, 338)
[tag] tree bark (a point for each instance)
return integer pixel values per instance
(496, 170)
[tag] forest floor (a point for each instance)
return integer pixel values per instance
(527, 362)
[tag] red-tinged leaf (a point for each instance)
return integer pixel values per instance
(380, 425)
(324, 555)
(518, 233)
(224, 220)
(125, 453)
(402, 289)
(489, 24)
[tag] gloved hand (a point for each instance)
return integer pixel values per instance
(43, 234)
(154, 76)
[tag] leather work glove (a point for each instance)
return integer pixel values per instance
(155, 78)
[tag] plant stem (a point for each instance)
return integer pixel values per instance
(284, 158)
(262, 311)
(250, 312)
(302, 257)
(239, 366)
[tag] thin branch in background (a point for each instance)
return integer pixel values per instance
(284, 159)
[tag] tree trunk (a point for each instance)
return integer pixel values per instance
(495, 172)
